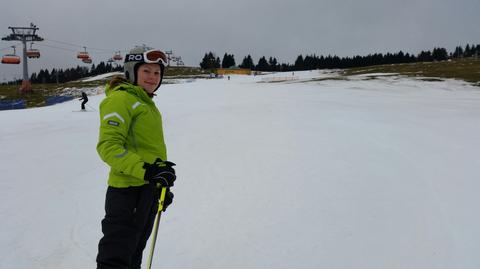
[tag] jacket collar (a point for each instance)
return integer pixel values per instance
(132, 89)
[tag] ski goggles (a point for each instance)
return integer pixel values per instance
(149, 57)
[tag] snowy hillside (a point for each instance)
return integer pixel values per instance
(305, 173)
(102, 76)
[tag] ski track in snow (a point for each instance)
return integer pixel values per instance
(304, 173)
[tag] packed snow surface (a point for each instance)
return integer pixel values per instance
(304, 173)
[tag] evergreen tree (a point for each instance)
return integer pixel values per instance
(101, 68)
(247, 63)
(228, 61)
(53, 76)
(61, 76)
(425, 56)
(299, 64)
(272, 62)
(262, 64)
(439, 54)
(209, 61)
(309, 62)
(468, 51)
(458, 52)
(33, 78)
(45, 76)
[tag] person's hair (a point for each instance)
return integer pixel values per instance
(117, 80)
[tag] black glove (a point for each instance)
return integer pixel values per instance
(168, 199)
(160, 172)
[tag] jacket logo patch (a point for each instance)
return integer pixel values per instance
(112, 122)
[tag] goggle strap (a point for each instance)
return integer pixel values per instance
(137, 57)
(141, 57)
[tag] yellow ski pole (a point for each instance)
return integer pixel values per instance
(155, 227)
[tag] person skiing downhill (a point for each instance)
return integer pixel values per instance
(131, 142)
(85, 100)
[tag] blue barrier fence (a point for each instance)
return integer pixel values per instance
(57, 99)
(12, 104)
(19, 104)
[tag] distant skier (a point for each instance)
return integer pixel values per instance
(131, 142)
(85, 100)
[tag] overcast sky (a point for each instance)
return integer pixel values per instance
(278, 28)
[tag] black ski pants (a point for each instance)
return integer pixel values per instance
(129, 217)
(83, 104)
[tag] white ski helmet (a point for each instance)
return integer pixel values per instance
(141, 55)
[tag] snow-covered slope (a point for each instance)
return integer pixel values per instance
(329, 174)
(102, 76)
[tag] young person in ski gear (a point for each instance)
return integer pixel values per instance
(85, 100)
(131, 142)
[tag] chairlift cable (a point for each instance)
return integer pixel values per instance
(65, 43)
(80, 46)
(38, 44)
(102, 50)
(9, 47)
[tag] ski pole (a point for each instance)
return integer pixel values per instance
(91, 107)
(155, 227)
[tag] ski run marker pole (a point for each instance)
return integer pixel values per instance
(155, 227)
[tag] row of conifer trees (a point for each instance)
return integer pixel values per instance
(309, 62)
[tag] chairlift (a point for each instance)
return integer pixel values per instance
(82, 55)
(33, 53)
(117, 56)
(11, 58)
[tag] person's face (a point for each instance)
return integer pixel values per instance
(148, 77)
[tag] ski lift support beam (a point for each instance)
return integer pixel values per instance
(24, 34)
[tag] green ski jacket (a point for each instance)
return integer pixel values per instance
(131, 134)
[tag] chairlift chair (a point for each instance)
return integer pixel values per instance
(11, 58)
(33, 53)
(83, 54)
(117, 56)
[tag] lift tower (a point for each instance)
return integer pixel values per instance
(24, 34)
(169, 56)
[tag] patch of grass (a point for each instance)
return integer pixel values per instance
(42, 91)
(184, 71)
(464, 69)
